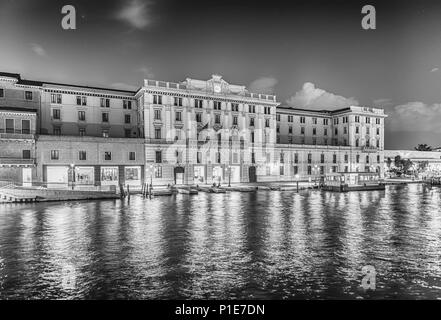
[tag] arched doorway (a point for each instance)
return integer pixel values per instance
(179, 175)
(252, 174)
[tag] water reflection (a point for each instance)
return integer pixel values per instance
(280, 245)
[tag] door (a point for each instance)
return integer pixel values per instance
(179, 175)
(27, 177)
(252, 174)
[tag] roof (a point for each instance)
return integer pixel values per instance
(314, 111)
(41, 83)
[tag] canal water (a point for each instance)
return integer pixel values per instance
(267, 244)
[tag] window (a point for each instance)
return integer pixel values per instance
(158, 172)
(132, 156)
(57, 131)
(325, 131)
(2, 93)
(235, 107)
(82, 131)
(377, 121)
(282, 170)
(127, 133)
(82, 155)
(314, 120)
(290, 129)
(296, 170)
(199, 157)
(107, 155)
(309, 157)
(56, 114)
(157, 99)
(26, 154)
(158, 156)
(296, 158)
(278, 129)
(290, 118)
(357, 158)
(28, 95)
(336, 131)
(199, 117)
(368, 130)
(234, 120)
(335, 120)
(357, 129)
(82, 115)
(78, 100)
(277, 117)
(314, 131)
(217, 118)
(127, 104)
(267, 110)
(357, 142)
(25, 126)
(322, 158)
(334, 158)
(378, 143)
(357, 119)
(345, 130)
(290, 139)
(157, 133)
(367, 159)
(178, 116)
(378, 158)
(346, 158)
(105, 117)
(105, 103)
(268, 170)
(84, 101)
(157, 114)
(217, 105)
(282, 158)
(55, 98)
(368, 120)
(378, 131)
(127, 118)
(253, 157)
(55, 155)
(302, 130)
(251, 122)
(325, 122)
(177, 101)
(267, 123)
(309, 170)
(198, 103)
(252, 108)
(105, 133)
(252, 136)
(302, 120)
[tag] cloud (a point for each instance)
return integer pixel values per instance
(263, 85)
(38, 50)
(415, 116)
(124, 86)
(146, 72)
(136, 13)
(314, 98)
(434, 69)
(382, 103)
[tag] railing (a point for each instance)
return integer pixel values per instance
(17, 136)
(17, 161)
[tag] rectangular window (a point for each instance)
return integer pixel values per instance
(235, 107)
(105, 133)
(198, 117)
(78, 100)
(217, 118)
(132, 156)
(251, 122)
(309, 170)
(358, 158)
(127, 118)
(253, 157)
(2, 93)
(25, 126)
(105, 103)
(322, 158)
(334, 158)
(56, 114)
(127, 133)
(267, 123)
(157, 99)
(105, 117)
(157, 133)
(127, 104)
(177, 101)
(82, 155)
(296, 170)
(55, 98)
(157, 114)
(325, 122)
(178, 116)
(82, 132)
(314, 120)
(302, 130)
(368, 120)
(296, 158)
(302, 120)
(309, 158)
(252, 108)
(217, 105)
(198, 103)
(82, 115)
(290, 118)
(357, 119)
(158, 156)
(57, 131)
(55, 155)
(290, 129)
(314, 131)
(26, 154)
(84, 101)
(107, 155)
(325, 131)
(28, 95)
(235, 121)
(278, 117)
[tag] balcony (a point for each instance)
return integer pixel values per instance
(16, 134)
(370, 149)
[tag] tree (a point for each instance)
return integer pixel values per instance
(397, 161)
(389, 162)
(423, 147)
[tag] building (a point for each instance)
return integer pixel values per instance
(430, 160)
(189, 132)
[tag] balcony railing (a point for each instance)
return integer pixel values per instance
(19, 161)
(18, 135)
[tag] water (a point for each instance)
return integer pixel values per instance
(274, 245)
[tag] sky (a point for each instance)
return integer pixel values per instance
(312, 54)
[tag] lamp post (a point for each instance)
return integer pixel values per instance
(72, 168)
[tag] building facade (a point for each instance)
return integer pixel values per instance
(189, 132)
